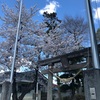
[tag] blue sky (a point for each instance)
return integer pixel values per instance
(62, 7)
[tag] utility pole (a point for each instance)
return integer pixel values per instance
(94, 49)
(92, 76)
(16, 41)
(15, 47)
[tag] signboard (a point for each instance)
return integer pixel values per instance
(92, 94)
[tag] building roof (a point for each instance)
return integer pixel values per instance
(27, 77)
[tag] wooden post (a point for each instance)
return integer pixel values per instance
(50, 82)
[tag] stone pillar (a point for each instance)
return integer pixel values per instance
(49, 87)
(92, 84)
(6, 88)
(34, 96)
(39, 95)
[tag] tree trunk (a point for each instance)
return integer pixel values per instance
(26, 90)
(73, 89)
(14, 96)
(22, 96)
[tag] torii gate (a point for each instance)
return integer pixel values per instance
(66, 66)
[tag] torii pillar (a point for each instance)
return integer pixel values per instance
(50, 83)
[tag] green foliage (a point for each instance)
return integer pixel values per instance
(64, 87)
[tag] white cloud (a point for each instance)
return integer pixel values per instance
(97, 13)
(95, 0)
(50, 8)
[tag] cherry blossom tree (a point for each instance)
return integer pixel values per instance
(28, 41)
(64, 36)
(48, 37)
(78, 27)
(27, 35)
